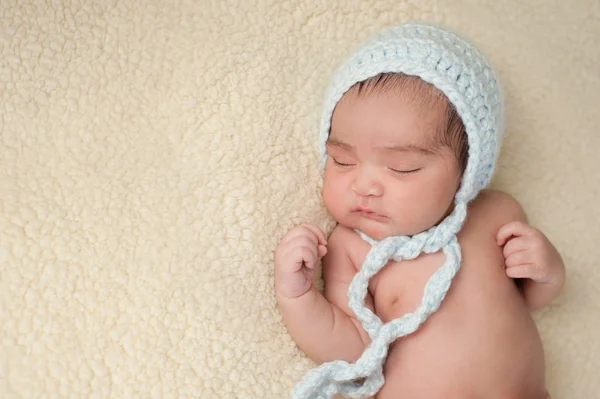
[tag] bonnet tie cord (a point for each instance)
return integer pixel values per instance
(340, 376)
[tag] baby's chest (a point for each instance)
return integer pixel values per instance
(398, 287)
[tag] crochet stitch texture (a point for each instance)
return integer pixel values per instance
(461, 72)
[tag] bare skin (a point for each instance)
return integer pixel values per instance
(482, 343)
(385, 176)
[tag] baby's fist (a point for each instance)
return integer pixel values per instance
(528, 253)
(295, 259)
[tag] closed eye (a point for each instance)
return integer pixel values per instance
(342, 164)
(405, 172)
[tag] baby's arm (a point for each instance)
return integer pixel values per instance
(321, 324)
(531, 257)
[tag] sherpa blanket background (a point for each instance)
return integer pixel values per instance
(153, 153)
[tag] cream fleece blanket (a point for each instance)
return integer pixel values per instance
(152, 154)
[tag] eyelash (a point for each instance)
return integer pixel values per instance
(400, 172)
(344, 165)
(405, 172)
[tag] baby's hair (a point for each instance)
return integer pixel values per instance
(425, 95)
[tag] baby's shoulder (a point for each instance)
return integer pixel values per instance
(491, 210)
(498, 204)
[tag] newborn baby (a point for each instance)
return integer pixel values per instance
(397, 153)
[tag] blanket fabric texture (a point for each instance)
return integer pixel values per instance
(152, 154)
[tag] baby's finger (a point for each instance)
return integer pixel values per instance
(515, 245)
(305, 240)
(309, 257)
(299, 256)
(318, 233)
(299, 233)
(290, 235)
(518, 259)
(322, 251)
(522, 271)
(511, 229)
(292, 249)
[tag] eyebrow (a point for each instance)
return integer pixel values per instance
(393, 149)
(338, 143)
(409, 148)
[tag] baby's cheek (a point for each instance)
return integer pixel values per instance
(329, 198)
(334, 196)
(327, 192)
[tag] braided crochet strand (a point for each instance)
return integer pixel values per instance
(464, 76)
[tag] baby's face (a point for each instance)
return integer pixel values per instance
(385, 174)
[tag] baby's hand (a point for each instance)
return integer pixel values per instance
(528, 253)
(295, 259)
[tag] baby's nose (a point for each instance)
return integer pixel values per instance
(366, 185)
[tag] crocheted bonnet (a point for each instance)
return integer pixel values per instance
(461, 72)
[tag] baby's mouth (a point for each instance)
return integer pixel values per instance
(369, 214)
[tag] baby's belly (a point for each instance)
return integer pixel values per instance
(482, 343)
